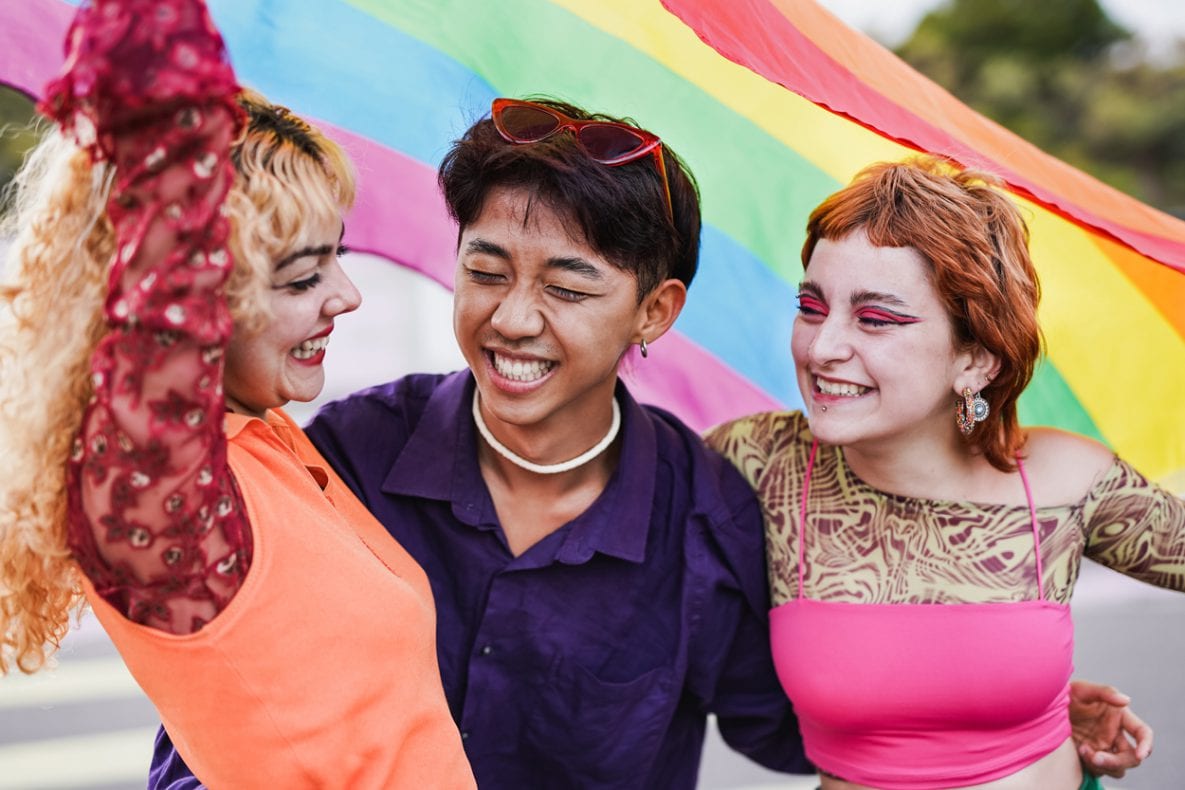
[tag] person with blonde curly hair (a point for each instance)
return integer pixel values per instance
(172, 283)
(922, 546)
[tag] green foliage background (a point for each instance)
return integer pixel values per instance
(17, 134)
(1060, 73)
(1066, 77)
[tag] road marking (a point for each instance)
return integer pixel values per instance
(70, 682)
(79, 761)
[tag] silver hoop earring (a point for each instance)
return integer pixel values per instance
(642, 347)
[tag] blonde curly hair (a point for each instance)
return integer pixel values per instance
(51, 319)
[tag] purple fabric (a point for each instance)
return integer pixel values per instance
(591, 660)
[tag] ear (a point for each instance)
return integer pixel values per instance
(659, 309)
(978, 367)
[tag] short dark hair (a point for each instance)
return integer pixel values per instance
(621, 209)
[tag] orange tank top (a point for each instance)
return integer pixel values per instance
(321, 672)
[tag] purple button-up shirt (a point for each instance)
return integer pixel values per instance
(592, 659)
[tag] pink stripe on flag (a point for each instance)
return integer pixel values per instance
(25, 61)
(400, 214)
(690, 381)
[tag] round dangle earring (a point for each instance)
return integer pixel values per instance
(970, 410)
(642, 347)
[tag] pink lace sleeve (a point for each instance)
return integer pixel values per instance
(155, 520)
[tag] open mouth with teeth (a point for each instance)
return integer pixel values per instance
(839, 389)
(310, 348)
(520, 370)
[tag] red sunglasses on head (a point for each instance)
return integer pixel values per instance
(607, 142)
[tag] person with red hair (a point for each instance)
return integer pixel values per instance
(922, 546)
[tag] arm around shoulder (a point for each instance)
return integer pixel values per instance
(737, 679)
(1065, 466)
(749, 442)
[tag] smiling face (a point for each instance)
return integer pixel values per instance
(282, 361)
(874, 348)
(543, 321)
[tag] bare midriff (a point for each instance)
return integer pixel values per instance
(1058, 769)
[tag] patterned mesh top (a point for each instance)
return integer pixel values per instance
(868, 546)
(958, 694)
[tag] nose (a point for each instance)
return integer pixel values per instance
(518, 314)
(829, 341)
(342, 295)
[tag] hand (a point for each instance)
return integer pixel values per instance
(1109, 737)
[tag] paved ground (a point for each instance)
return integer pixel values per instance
(85, 726)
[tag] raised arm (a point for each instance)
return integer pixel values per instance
(734, 672)
(154, 518)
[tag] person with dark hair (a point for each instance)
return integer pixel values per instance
(922, 546)
(593, 563)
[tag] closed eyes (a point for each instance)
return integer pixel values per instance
(811, 306)
(876, 316)
(301, 286)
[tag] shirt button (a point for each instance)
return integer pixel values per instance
(486, 650)
(464, 735)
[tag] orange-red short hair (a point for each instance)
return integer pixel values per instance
(977, 245)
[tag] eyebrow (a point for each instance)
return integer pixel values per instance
(573, 264)
(306, 252)
(315, 252)
(863, 297)
(484, 247)
(858, 298)
(811, 288)
(577, 266)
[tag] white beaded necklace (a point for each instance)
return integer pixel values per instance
(547, 469)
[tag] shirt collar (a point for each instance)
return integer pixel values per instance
(439, 462)
(437, 457)
(277, 425)
(234, 424)
(276, 420)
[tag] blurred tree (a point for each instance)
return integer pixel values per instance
(16, 132)
(1063, 75)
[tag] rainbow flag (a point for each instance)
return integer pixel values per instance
(774, 104)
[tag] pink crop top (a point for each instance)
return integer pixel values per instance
(922, 696)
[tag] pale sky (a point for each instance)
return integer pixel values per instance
(1159, 22)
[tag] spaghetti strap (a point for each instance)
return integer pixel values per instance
(806, 487)
(1020, 467)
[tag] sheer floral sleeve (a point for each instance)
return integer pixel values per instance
(155, 520)
(1136, 527)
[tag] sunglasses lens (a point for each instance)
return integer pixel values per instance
(609, 142)
(527, 124)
